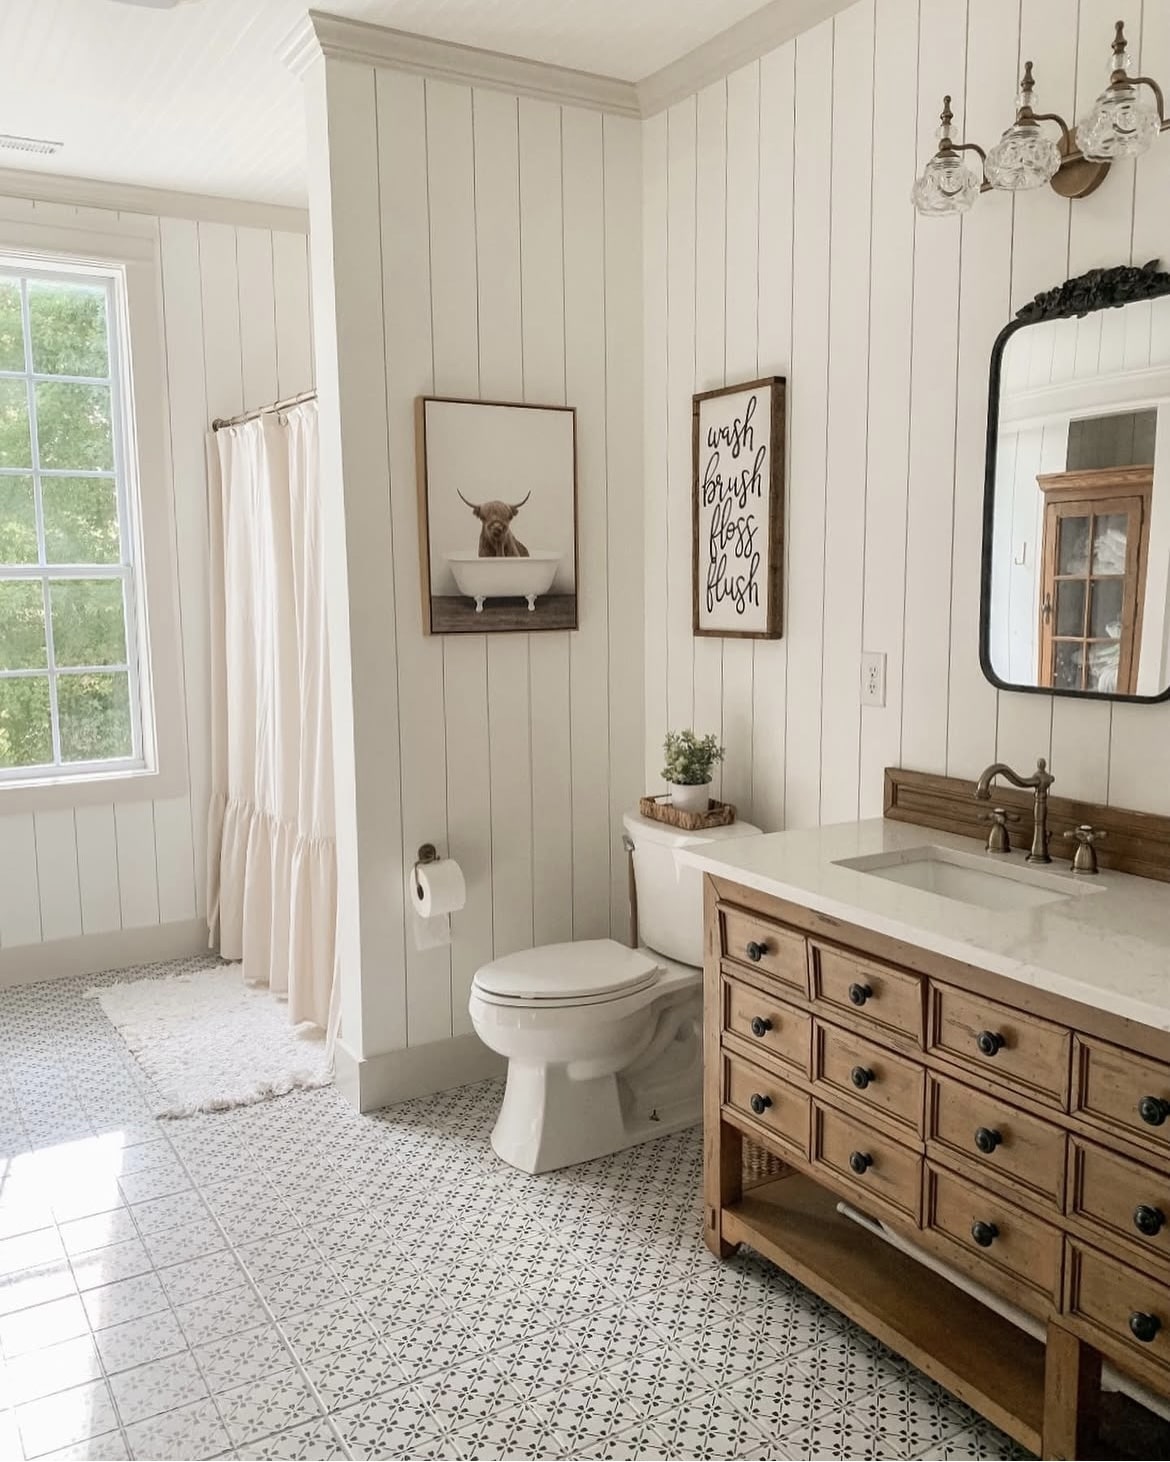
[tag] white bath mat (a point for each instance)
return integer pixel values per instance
(209, 1042)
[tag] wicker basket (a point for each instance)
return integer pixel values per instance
(718, 814)
(760, 1165)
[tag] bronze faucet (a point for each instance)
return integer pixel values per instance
(1041, 779)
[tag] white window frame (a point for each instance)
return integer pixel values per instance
(158, 768)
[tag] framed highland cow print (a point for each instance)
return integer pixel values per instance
(497, 500)
(738, 510)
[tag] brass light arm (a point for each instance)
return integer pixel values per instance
(1066, 136)
(1159, 97)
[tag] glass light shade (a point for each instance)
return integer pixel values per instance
(1024, 157)
(947, 185)
(1123, 123)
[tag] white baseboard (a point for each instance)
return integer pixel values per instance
(396, 1076)
(94, 954)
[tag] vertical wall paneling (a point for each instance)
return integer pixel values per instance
(849, 263)
(402, 158)
(290, 286)
(741, 362)
(97, 868)
(930, 505)
(624, 551)
(542, 311)
(774, 187)
(57, 879)
(984, 307)
(680, 379)
(501, 378)
(809, 425)
(585, 363)
(455, 335)
(1141, 734)
(257, 315)
(137, 869)
(20, 913)
(655, 477)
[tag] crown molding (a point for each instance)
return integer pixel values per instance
(157, 202)
(737, 46)
(340, 39)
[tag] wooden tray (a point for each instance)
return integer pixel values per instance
(718, 814)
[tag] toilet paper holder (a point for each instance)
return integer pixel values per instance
(427, 853)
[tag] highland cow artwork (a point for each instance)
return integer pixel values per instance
(497, 516)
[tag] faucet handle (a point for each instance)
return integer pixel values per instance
(1086, 837)
(998, 839)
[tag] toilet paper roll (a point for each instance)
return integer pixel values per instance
(437, 888)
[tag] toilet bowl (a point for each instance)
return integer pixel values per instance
(603, 1042)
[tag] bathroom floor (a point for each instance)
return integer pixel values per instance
(294, 1280)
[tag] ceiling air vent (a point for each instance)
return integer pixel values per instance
(28, 144)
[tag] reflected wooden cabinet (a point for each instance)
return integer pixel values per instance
(1096, 525)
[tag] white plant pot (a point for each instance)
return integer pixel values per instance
(692, 798)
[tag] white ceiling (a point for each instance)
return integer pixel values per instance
(196, 99)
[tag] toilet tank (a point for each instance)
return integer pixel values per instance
(670, 894)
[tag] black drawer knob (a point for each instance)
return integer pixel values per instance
(861, 1077)
(984, 1234)
(1153, 1110)
(989, 1042)
(1148, 1220)
(1144, 1327)
(760, 1025)
(860, 1161)
(760, 1104)
(859, 994)
(987, 1139)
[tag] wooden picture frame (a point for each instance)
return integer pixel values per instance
(737, 510)
(510, 463)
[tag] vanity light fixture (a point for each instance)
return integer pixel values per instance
(1123, 122)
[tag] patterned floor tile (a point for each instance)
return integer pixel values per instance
(248, 1356)
(109, 1447)
(136, 1342)
(343, 1377)
(192, 1432)
(162, 1385)
(314, 1442)
(387, 1425)
(110, 1264)
(709, 1426)
(66, 1418)
(216, 1315)
(40, 1373)
(42, 1326)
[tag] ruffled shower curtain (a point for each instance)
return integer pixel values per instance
(272, 877)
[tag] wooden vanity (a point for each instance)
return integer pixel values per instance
(1018, 1136)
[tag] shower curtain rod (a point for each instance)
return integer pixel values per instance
(221, 421)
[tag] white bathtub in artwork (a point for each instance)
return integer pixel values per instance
(504, 578)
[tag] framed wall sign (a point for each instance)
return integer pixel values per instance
(738, 510)
(497, 499)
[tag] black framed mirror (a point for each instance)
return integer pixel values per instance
(1076, 508)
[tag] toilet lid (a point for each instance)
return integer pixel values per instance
(589, 969)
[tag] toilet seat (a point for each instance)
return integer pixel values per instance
(586, 972)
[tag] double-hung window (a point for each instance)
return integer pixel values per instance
(72, 631)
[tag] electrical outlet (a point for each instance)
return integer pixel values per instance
(873, 678)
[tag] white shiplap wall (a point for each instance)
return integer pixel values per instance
(235, 309)
(779, 238)
(500, 238)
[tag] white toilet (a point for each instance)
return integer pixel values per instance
(604, 1043)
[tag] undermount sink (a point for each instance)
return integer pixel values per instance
(986, 880)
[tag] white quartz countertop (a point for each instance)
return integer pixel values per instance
(1109, 949)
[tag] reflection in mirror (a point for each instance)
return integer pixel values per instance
(1077, 584)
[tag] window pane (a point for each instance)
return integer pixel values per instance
(1066, 673)
(1073, 555)
(22, 625)
(1104, 662)
(18, 521)
(1109, 535)
(95, 717)
(26, 737)
(67, 323)
(15, 442)
(1105, 619)
(11, 327)
(81, 519)
(73, 426)
(1070, 607)
(89, 625)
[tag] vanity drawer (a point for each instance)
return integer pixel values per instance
(766, 1099)
(1124, 1093)
(1001, 1245)
(777, 951)
(866, 1073)
(884, 997)
(1010, 1145)
(999, 1043)
(1122, 1197)
(867, 1162)
(1119, 1304)
(781, 1030)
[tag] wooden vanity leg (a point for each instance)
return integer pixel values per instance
(1072, 1395)
(722, 1145)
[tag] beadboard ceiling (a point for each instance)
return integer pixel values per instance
(196, 98)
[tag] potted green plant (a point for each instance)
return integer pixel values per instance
(689, 759)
